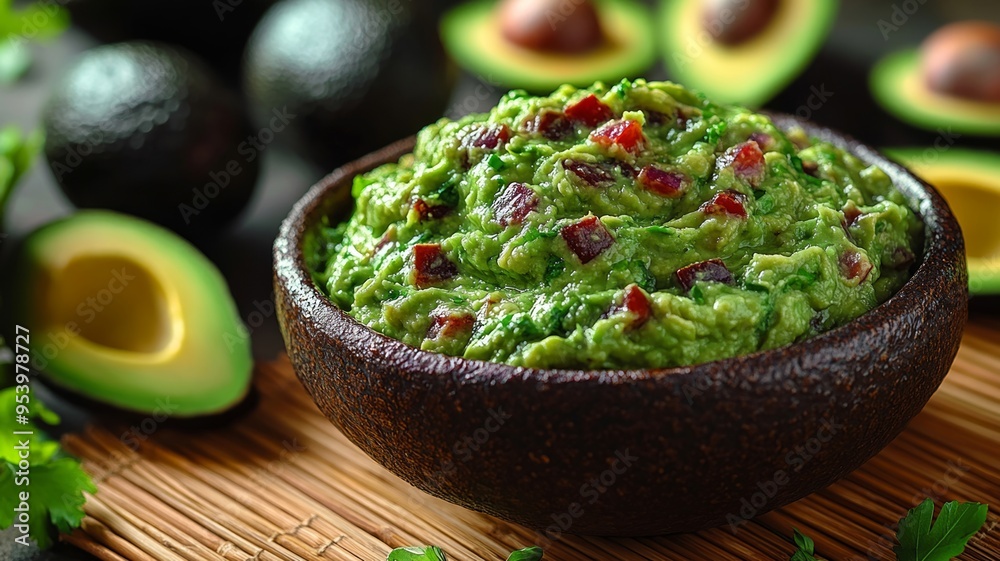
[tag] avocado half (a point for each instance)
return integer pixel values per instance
(897, 85)
(749, 73)
(471, 34)
(970, 181)
(127, 313)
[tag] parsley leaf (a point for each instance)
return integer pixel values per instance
(921, 538)
(55, 483)
(807, 549)
(426, 553)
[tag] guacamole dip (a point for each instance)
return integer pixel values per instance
(633, 226)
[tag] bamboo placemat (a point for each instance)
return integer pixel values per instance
(282, 485)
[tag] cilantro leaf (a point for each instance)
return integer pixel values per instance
(424, 553)
(54, 483)
(533, 553)
(55, 500)
(807, 549)
(921, 538)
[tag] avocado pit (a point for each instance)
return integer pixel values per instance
(963, 60)
(563, 26)
(732, 22)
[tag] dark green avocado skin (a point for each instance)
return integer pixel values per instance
(357, 74)
(215, 30)
(146, 129)
(629, 453)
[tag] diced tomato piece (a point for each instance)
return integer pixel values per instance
(428, 212)
(553, 125)
(431, 265)
(513, 204)
(667, 183)
(728, 202)
(747, 162)
(590, 111)
(587, 238)
(488, 137)
(851, 215)
(451, 325)
(713, 270)
(854, 265)
(635, 302)
(594, 175)
(625, 133)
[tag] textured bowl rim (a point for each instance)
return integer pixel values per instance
(940, 228)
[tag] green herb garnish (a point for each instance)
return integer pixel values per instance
(921, 538)
(54, 482)
(807, 549)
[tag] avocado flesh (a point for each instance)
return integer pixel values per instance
(970, 181)
(897, 85)
(127, 313)
(749, 73)
(471, 34)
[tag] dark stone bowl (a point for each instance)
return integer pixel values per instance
(636, 452)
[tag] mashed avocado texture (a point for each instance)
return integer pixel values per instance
(633, 226)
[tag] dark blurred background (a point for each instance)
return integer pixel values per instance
(242, 251)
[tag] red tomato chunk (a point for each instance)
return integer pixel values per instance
(625, 133)
(451, 325)
(635, 302)
(713, 270)
(431, 265)
(590, 111)
(727, 202)
(552, 125)
(488, 137)
(666, 183)
(587, 238)
(591, 174)
(513, 204)
(747, 162)
(853, 265)
(428, 212)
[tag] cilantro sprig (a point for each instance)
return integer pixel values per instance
(920, 537)
(55, 482)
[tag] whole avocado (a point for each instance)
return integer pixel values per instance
(355, 74)
(215, 30)
(146, 129)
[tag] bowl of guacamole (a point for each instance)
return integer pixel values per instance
(628, 280)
